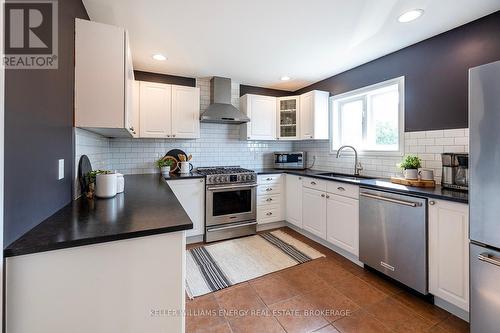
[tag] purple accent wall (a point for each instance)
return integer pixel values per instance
(435, 70)
(38, 132)
(244, 89)
(164, 78)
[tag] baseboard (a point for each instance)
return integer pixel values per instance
(453, 309)
(332, 247)
(194, 239)
(272, 225)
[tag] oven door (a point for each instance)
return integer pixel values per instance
(230, 203)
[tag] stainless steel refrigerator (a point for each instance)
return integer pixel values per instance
(484, 197)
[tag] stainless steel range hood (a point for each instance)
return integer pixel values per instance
(220, 109)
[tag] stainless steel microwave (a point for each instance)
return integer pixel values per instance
(290, 160)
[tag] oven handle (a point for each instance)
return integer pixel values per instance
(231, 226)
(230, 187)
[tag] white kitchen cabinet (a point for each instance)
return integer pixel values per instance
(169, 111)
(342, 225)
(269, 198)
(293, 198)
(185, 112)
(314, 115)
(155, 110)
(103, 79)
(449, 252)
(191, 195)
(288, 118)
(262, 113)
(314, 212)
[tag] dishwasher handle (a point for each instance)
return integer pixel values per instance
(396, 201)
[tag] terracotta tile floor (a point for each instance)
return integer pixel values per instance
(338, 295)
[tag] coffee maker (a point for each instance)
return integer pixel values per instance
(455, 171)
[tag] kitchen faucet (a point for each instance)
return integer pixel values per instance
(357, 165)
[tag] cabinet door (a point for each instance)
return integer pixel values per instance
(99, 75)
(185, 112)
(293, 206)
(155, 110)
(314, 212)
(191, 195)
(342, 226)
(307, 115)
(448, 252)
(131, 94)
(288, 117)
(262, 113)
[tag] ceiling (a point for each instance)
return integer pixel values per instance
(257, 42)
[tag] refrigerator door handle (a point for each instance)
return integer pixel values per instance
(489, 258)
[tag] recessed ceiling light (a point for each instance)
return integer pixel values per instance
(159, 57)
(410, 15)
(285, 78)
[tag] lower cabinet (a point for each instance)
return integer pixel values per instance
(449, 252)
(314, 212)
(293, 199)
(269, 198)
(191, 195)
(342, 224)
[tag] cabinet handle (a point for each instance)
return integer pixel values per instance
(269, 189)
(201, 180)
(432, 202)
(269, 213)
(168, 136)
(173, 136)
(340, 188)
(277, 138)
(322, 195)
(269, 179)
(269, 199)
(300, 178)
(327, 196)
(313, 183)
(248, 138)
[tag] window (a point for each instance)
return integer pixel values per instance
(370, 118)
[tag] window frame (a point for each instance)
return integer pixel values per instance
(360, 94)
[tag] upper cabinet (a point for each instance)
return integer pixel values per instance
(169, 111)
(262, 113)
(314, 115)
(303, 117)
(288, 118)
(104, 80)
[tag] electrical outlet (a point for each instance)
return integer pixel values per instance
(61, 169)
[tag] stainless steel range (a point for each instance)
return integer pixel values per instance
(230, 202)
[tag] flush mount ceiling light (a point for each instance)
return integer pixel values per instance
(410, 15)
(159, 57)
(285, 78)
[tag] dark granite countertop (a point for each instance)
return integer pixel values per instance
(381, 184)
(147, 207)
(175, 176)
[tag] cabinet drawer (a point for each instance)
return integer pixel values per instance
(343, 189)
(273, 199)
(315, 184)
(267, 189)
(269, 179)
(268, 214)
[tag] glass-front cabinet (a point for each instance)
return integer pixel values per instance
(288, 118)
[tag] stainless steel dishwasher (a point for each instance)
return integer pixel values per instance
(393, 236)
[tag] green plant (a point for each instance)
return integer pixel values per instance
(92, 174)
(163, 163)
(410, 162)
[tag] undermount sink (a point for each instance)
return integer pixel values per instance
(343, 175)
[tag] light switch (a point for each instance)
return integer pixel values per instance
(61, 169)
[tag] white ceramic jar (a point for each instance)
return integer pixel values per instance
(105, 185)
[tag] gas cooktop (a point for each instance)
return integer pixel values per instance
(227, 175)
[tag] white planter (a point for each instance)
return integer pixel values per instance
(410, 173)
(165, 171)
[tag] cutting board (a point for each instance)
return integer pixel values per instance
(411, 182)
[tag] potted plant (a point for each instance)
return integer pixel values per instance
(410, 165)
(164, 165)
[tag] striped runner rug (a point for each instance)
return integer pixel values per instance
(221, 265)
